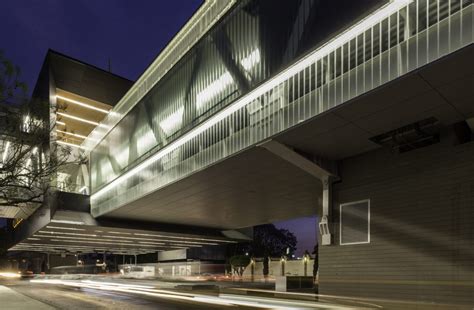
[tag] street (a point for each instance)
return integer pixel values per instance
(113, 294)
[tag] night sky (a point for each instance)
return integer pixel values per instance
(130, 33)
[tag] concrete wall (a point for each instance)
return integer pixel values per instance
(422, 226)
(292, 268)
(184, 269)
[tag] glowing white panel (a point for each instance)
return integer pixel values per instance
(172, 122)
(214, 89)
(122, 156)
(146, 140)
(251, 60)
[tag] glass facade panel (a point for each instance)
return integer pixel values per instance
(229, 92)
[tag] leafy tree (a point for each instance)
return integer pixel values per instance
(29, 162)
(271, 241)
(239, 263)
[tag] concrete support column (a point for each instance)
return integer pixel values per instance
(325, 215)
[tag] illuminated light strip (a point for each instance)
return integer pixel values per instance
(65, 233)
(65, 228)
(69, 144)
(71, 134)
(80, 119)
(86, 240)
(82, 104)
(61, 123)
(67, 222)
(324, 50)
(186, 238)
(95, 242)
(155, 240)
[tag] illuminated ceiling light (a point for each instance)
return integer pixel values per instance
(71, 134)
(214, 89)
(61, 123)
(68, 222)
(171, 122)
(65, 228)
(5, 151)
(185, 238)
(119, 233)
(82, 241)
(82, 104)
(69, 144)
(65, 233)
(80, 119)
(85, 239)
(150, 242)
(311, 58)
(251, 60)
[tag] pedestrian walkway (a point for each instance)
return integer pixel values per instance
(11, 300)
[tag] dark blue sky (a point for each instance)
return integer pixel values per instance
(129, 32)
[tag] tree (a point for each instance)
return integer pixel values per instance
(29, 158)
(239, 263)
(271, 241)
(316, 262)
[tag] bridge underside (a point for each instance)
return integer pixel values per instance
(256, 186)
(70, 228)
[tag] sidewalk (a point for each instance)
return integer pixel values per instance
(11, 300)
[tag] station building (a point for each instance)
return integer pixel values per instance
(358, 111)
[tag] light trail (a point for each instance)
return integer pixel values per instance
(221, 299)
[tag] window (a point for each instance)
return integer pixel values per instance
(354, 226)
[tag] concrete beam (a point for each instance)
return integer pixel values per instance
(298, 160)
(326, 177)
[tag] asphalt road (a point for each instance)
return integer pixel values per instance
(64, 297)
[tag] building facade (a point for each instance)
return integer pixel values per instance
(359, 111)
